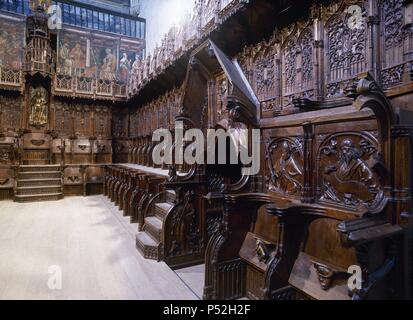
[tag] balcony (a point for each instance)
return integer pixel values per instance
(86, 87)
(10, 79)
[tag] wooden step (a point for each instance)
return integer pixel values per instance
(153, 225)
(147, 246)
(39, 182)
(40, 168)
(39, 190)
(162, 209)
(38, 197)
(170, 196)
(34, 175)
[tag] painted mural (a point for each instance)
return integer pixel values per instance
(104, 56)
(99, 57)
(73, 55)
(129, 57)
(11, 44)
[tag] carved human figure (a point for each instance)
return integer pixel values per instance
(38, 109)
(350, 177)
(352, 166)
(287, 171)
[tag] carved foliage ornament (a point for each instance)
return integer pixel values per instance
(393, 16)
(348, 168)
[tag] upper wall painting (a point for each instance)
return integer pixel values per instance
(11, 44)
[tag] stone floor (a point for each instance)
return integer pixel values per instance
(89, 242)
(194, 278)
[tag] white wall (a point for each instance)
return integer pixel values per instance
(160, 16)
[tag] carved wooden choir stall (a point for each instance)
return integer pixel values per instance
(330, 89)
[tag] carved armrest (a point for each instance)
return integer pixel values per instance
(248, 197)
(246, 204)
(293, 209)
(362, 231)
(360, 234)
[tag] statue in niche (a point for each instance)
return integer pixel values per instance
(287, 171)
(39, 114)
(350, 179)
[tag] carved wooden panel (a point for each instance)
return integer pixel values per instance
(63, 118)
(10, 113)
(266, 74)
(120, 124)
(346, 46)
(222, 86)
(397, 42)
(285, 163)
(159, 113)
(348, 167)
(82, 124)
(289, 65)
(6, 153)
(306, 47)
(102, 122)
(134, 124)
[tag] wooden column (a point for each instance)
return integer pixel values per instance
(308, 194)
(373, 25)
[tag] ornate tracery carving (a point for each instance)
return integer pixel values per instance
(393, 22)
(290, 65)
(265, 74)
(396, 41)
(10, 112)
(306, 45)
(347, 51)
